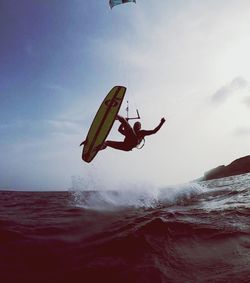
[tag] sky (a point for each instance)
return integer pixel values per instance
(186, 60)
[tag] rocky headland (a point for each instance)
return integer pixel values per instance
(237, 167)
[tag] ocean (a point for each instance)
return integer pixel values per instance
(195, 232)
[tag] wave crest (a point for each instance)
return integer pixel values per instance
(138, 197)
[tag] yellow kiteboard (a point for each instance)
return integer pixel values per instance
(103, 122)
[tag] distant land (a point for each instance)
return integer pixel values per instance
(237, 167)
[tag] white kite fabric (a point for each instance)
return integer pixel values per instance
(113, 3)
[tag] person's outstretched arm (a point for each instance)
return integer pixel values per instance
(155, 130)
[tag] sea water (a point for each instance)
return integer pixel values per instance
(195, 232)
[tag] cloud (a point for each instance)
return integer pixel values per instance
(64, 126)
(242, 132)
(55, 87)
(239, 83)
(28, 127)
(246, 101)
(29, 48)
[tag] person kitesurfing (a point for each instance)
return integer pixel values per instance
(133, 135)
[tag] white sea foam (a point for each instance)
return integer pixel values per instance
(139, 195)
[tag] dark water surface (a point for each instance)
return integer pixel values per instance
(190, 233)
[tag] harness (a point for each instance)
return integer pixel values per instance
(141, 144)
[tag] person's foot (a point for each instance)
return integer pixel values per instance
(101, 146)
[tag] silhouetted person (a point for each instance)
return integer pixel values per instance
(133, 136)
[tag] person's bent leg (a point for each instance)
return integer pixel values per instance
(117, 145)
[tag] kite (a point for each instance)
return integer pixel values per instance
(113, 3)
